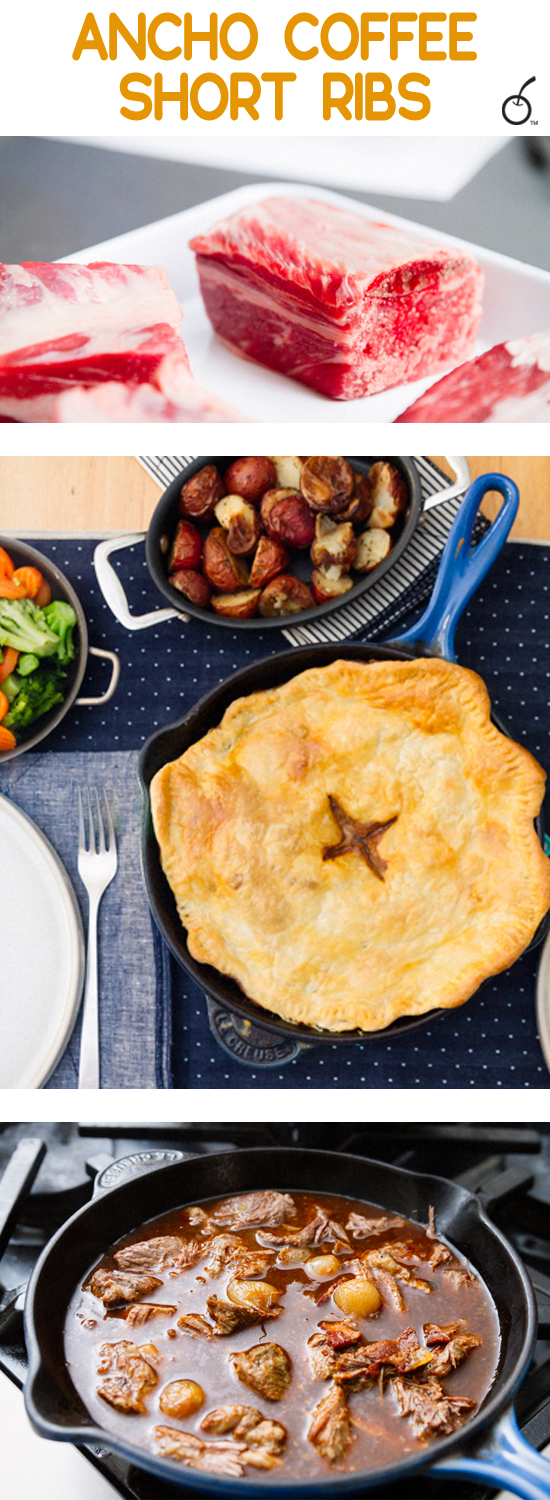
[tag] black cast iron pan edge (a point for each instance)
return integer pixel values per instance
(459, 1215)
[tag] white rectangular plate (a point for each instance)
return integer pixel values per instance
(516, 302)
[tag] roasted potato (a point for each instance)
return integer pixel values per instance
(329, 583)
(360, 503)
(269, 559)
(388, 494)
(285, 595)
(193, 585)
(187, 547)
(250, 477)
(287, 518)
(327, 484)
(241, 522)
(289, 472)
(239, 606)
(372, 547)
(201, 493)
(335, 543)
(223, 570)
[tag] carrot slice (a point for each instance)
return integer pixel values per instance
(30, 579)
(4, 705)
(7, 739)
(6, 565)
(9, 662)
(11, 589)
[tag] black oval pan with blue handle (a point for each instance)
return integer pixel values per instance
(461, 570)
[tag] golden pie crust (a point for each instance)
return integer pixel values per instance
(243, 817)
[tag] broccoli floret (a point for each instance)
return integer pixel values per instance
(25, 627)
(27, 663)
(61, 618)
(36, 696)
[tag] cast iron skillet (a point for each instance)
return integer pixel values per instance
(459, 575)
(24, 556)
(490, 1446)
(163, 525)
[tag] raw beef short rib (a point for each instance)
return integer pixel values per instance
(509, 383)
(336, 301)
(65, 325)
(174, 397)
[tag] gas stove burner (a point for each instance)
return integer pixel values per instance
(49, 1170)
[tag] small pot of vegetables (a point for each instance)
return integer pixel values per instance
(43, 648)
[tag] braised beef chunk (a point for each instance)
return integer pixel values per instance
(265, 1369)
(359, 1366)
(213, 1458)
(228, 1318)
(330, 1430)
(129, 1375)
(458, 1275)
(341, 1335)
(247, 1425)
(159, 1254)
(432, 1412)
(410, 1355)
(121, 1286)
(140, 1312)
(435, 1333)
(362, 1228)
(385, 1259)
(254, 1209)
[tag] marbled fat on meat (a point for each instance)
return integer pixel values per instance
(509, 383)
(65, 325)
(336, 301)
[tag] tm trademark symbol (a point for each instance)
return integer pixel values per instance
(534, 122)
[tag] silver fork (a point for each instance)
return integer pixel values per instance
(97, 866)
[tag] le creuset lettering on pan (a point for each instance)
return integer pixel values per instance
(164, 522)
(24, 556)
(461, 571)
(490, 1446)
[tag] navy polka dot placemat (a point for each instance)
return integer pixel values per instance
(491, 1042)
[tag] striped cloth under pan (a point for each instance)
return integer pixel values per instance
(403, 588)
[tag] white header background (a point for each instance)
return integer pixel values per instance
(45, 92)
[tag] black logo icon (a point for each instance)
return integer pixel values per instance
(516, 108)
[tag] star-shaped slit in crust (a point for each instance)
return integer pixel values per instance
(363, 837)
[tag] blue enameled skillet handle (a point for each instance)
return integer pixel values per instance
(462, 567)
(503, 1459)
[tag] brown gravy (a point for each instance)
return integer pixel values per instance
(380, 1433)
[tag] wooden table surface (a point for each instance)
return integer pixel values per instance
(116, 494)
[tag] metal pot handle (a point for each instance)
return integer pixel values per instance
(113, 592)
(503, 1458)
(128, 1167)
(115, 674)
(460, 484)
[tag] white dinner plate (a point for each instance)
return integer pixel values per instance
(516, 302)
(42, 945)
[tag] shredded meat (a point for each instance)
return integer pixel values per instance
(432, 1412)
(385, 1259)
(197, 1325)
(362, 1228)
(199, 1219)
(254, 1209)
(458, 1275)
(358, 1367)
(439, 1253)
(450, 1345)
(129, 1374)
(121, 1286)
(160, 1254)
(140, 1312)
(341, 1335)
(247, 1425)
(330, 1430)
(213, 1458)
(265, 1369)
(431, 1231)
(228, 1249)
(318, 1230)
